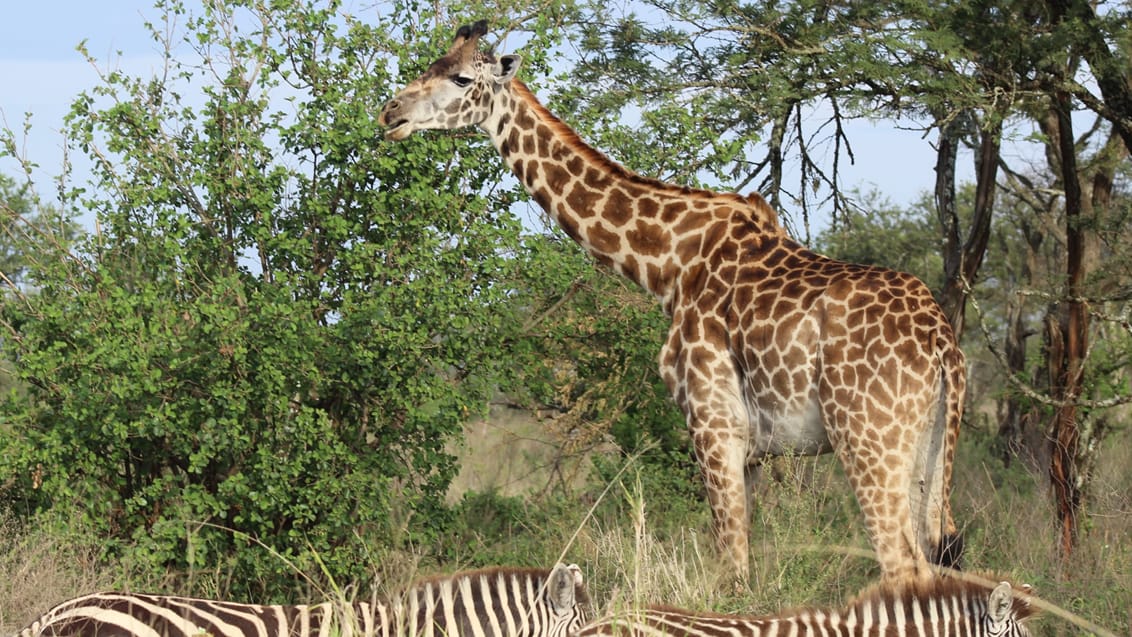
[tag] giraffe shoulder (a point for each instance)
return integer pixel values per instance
(762, 212)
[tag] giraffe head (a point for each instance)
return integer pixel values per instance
(455, 91)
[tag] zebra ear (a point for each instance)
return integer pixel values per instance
(1000, 603)
(577, 571)
(560, 587)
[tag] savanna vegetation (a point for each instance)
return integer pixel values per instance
(282, 359)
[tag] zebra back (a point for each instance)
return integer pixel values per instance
(490, 603)
(938, 608)
(487, 603)
(111, 614)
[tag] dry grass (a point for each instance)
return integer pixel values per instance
(628, 565)
(803, 551)
(38, 571)
(1007, 521)
(512, 453)
(807, 547)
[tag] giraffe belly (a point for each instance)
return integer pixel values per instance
(794, 429)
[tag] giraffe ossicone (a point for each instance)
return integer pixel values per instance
(772, 349)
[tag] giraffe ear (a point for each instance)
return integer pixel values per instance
(506, 68)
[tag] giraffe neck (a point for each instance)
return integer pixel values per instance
(647, 230)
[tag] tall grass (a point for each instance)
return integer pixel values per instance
(649, 541)
(38, 569)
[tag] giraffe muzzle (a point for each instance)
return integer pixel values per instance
(398, 130)
(396, 124)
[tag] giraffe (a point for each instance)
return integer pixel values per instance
(772, 349)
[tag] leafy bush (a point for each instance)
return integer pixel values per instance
(281, 320)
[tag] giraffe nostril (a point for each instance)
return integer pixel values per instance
(388, 112)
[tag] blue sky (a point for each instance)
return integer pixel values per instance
(40, 70)
(41, 73)
(50, 29)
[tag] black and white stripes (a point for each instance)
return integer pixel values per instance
(136, 615)
(940, 608)
(488, 603)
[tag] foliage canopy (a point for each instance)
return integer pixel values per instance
(282, 320)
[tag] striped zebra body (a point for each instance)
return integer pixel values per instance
(120, 614)
(487, 603)
(940, 608)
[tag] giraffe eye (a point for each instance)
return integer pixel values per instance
(461, 81)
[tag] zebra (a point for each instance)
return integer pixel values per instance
(496, 602)
(941, 607)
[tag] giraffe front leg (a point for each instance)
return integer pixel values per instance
(722, 460)
(705, 385)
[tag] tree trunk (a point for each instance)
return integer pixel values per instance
(1016, 414)
(1108, 69)
(1012, 414)
(1069, 342)
(962, 258)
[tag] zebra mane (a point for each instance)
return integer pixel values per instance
(489, 571)
(960, 585)
(541, 575)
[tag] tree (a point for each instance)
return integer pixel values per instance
(18, 209)
(282, 320)
(1068, 347)
(28, 229)
(1058, 38)
(586, 353)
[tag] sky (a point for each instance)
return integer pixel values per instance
(41, 73)
(40, 70)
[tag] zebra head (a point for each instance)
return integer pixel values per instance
(1005, 612)
(567, 598)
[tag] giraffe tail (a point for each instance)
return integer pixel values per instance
(949, 551)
